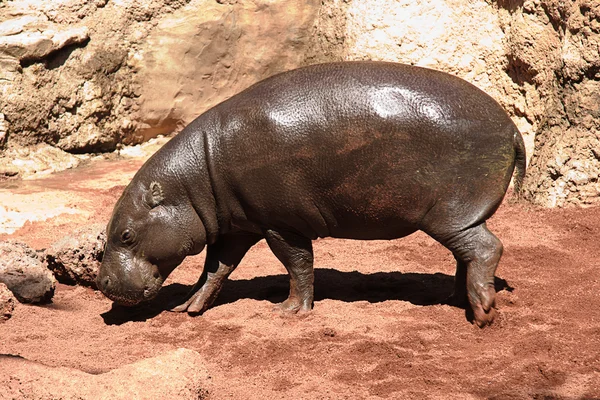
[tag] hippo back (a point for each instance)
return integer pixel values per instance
(337, 149)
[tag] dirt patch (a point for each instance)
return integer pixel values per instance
(378, 330)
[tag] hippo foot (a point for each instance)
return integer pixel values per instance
(293, 306)
(483, 303)
(196, 304)
(484, 318)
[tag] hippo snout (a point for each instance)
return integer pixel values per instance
(114, 290)
(130, 288)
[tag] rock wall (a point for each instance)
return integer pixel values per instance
(88, 75)
(85, 76)
(538, 58)
(554, 51)
(64, 78)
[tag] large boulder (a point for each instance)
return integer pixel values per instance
(194, 59)
(178, 374)
(76, 258)
(29, 46)
(64, 78)
(24, 274)
(85, 76)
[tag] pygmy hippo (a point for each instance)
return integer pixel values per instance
(357, 150)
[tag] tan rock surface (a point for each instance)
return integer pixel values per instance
(560, 73)
(64, 78)
(197, 59)
(178, 374)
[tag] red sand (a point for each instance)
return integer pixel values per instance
(378, 329)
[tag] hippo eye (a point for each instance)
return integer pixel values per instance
(127, 236)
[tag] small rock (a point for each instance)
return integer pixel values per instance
(41, 159)
(7, 303)
(8, 169)
(35, 45)
(76, 258)
(14, 26)
(24, 274)
(328, 332)
(579, 178)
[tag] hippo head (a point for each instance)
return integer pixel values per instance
(153, 228)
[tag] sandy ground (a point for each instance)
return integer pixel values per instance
(378, 329)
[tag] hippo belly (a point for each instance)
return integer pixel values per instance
(365, 174)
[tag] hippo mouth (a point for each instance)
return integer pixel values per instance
(124, 300)
(133, 297)
(151, 291)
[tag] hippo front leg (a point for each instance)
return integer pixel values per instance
(295, 253)
(222, 258)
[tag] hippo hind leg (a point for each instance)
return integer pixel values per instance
(459, 297)
(477, 252)
(295, 253)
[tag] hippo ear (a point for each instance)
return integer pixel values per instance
(155, 195)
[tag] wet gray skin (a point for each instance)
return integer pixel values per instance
(135, 266)
(357, 150)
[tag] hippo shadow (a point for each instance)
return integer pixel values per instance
(164, 301)
(420, 289)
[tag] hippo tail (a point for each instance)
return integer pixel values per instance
(520, 162)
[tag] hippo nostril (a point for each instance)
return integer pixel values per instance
(104, 283)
